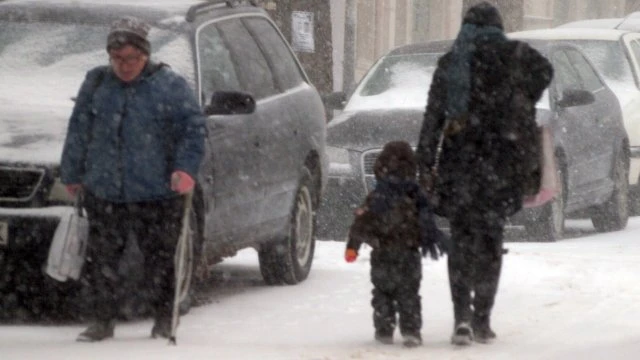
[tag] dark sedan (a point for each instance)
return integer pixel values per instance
(590, 141)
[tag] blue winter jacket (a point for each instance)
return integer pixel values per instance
(125, 139)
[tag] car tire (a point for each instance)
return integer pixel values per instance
(549, 225)
(634, 200)
(288, 261)
(613, 215)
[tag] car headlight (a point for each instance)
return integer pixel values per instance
(338, 161)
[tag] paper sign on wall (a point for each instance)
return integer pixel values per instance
(302, 31)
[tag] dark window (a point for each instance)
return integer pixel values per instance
(590, 79)
(252, 67)
(282, 62)
(217, 71)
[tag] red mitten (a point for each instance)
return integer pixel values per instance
(73, 189)
(181, 182)
(350, 255)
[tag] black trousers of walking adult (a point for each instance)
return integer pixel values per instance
(396, 275)
(155, 226)
(474, 265)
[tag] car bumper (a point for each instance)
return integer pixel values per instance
(341, 197)
(25, 291)
(24, 228)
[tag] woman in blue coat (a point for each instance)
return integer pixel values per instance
(134, 144)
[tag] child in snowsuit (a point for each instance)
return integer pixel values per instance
(396, 222)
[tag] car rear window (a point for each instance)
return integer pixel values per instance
(49, 60)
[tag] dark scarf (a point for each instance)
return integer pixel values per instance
(459, 73)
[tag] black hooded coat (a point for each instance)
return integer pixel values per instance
(490, 153)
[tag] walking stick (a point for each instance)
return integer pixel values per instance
(182, 251)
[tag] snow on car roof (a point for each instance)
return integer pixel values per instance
(609, 23)
(630, 23)
(159, 3)
(569, 34)
(92, 11)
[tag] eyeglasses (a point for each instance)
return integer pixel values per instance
(126, 60)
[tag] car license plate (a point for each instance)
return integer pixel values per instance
(4, 233)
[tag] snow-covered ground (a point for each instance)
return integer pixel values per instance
(575, 299)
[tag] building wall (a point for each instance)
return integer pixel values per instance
(338, 10)
(571, 10)
(384, 24)
(538, 14)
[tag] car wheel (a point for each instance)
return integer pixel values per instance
(634, 201)
(549, 226)
(614, 214)
(289, 261)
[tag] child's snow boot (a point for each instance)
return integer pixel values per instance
(463, 334)
(384, 337)
(98, 331)
(412, 340)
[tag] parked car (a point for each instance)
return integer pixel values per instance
(616, 55)
(265, 165)
(630, 22)
(590, 141)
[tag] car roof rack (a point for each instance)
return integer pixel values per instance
(209, 4)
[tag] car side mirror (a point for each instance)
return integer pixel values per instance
(230, 103)
(576, 97)
(335, 101)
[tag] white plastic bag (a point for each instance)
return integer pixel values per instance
(67, 251)
(549, 183)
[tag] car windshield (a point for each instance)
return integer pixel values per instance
(402, 81)
(399, 81)
(46, 62)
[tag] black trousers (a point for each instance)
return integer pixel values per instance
(396, 276)
(155, 226)
(474, 265)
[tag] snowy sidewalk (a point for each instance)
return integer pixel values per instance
(574, 299)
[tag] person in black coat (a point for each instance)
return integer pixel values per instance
(480, 125)
(396, 222)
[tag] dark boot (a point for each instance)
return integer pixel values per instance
(482, 330)
(97, 332)
(161, 328)
(462, 334)
(412, 340)
(486, 288)
(384, 337)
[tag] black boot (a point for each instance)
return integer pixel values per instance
(97, 332)
(462, 334)
(161, 328)
(384, 336)
(482, 330)
(412, 340)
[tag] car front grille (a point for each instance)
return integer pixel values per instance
(19, 184)
(368, 161)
